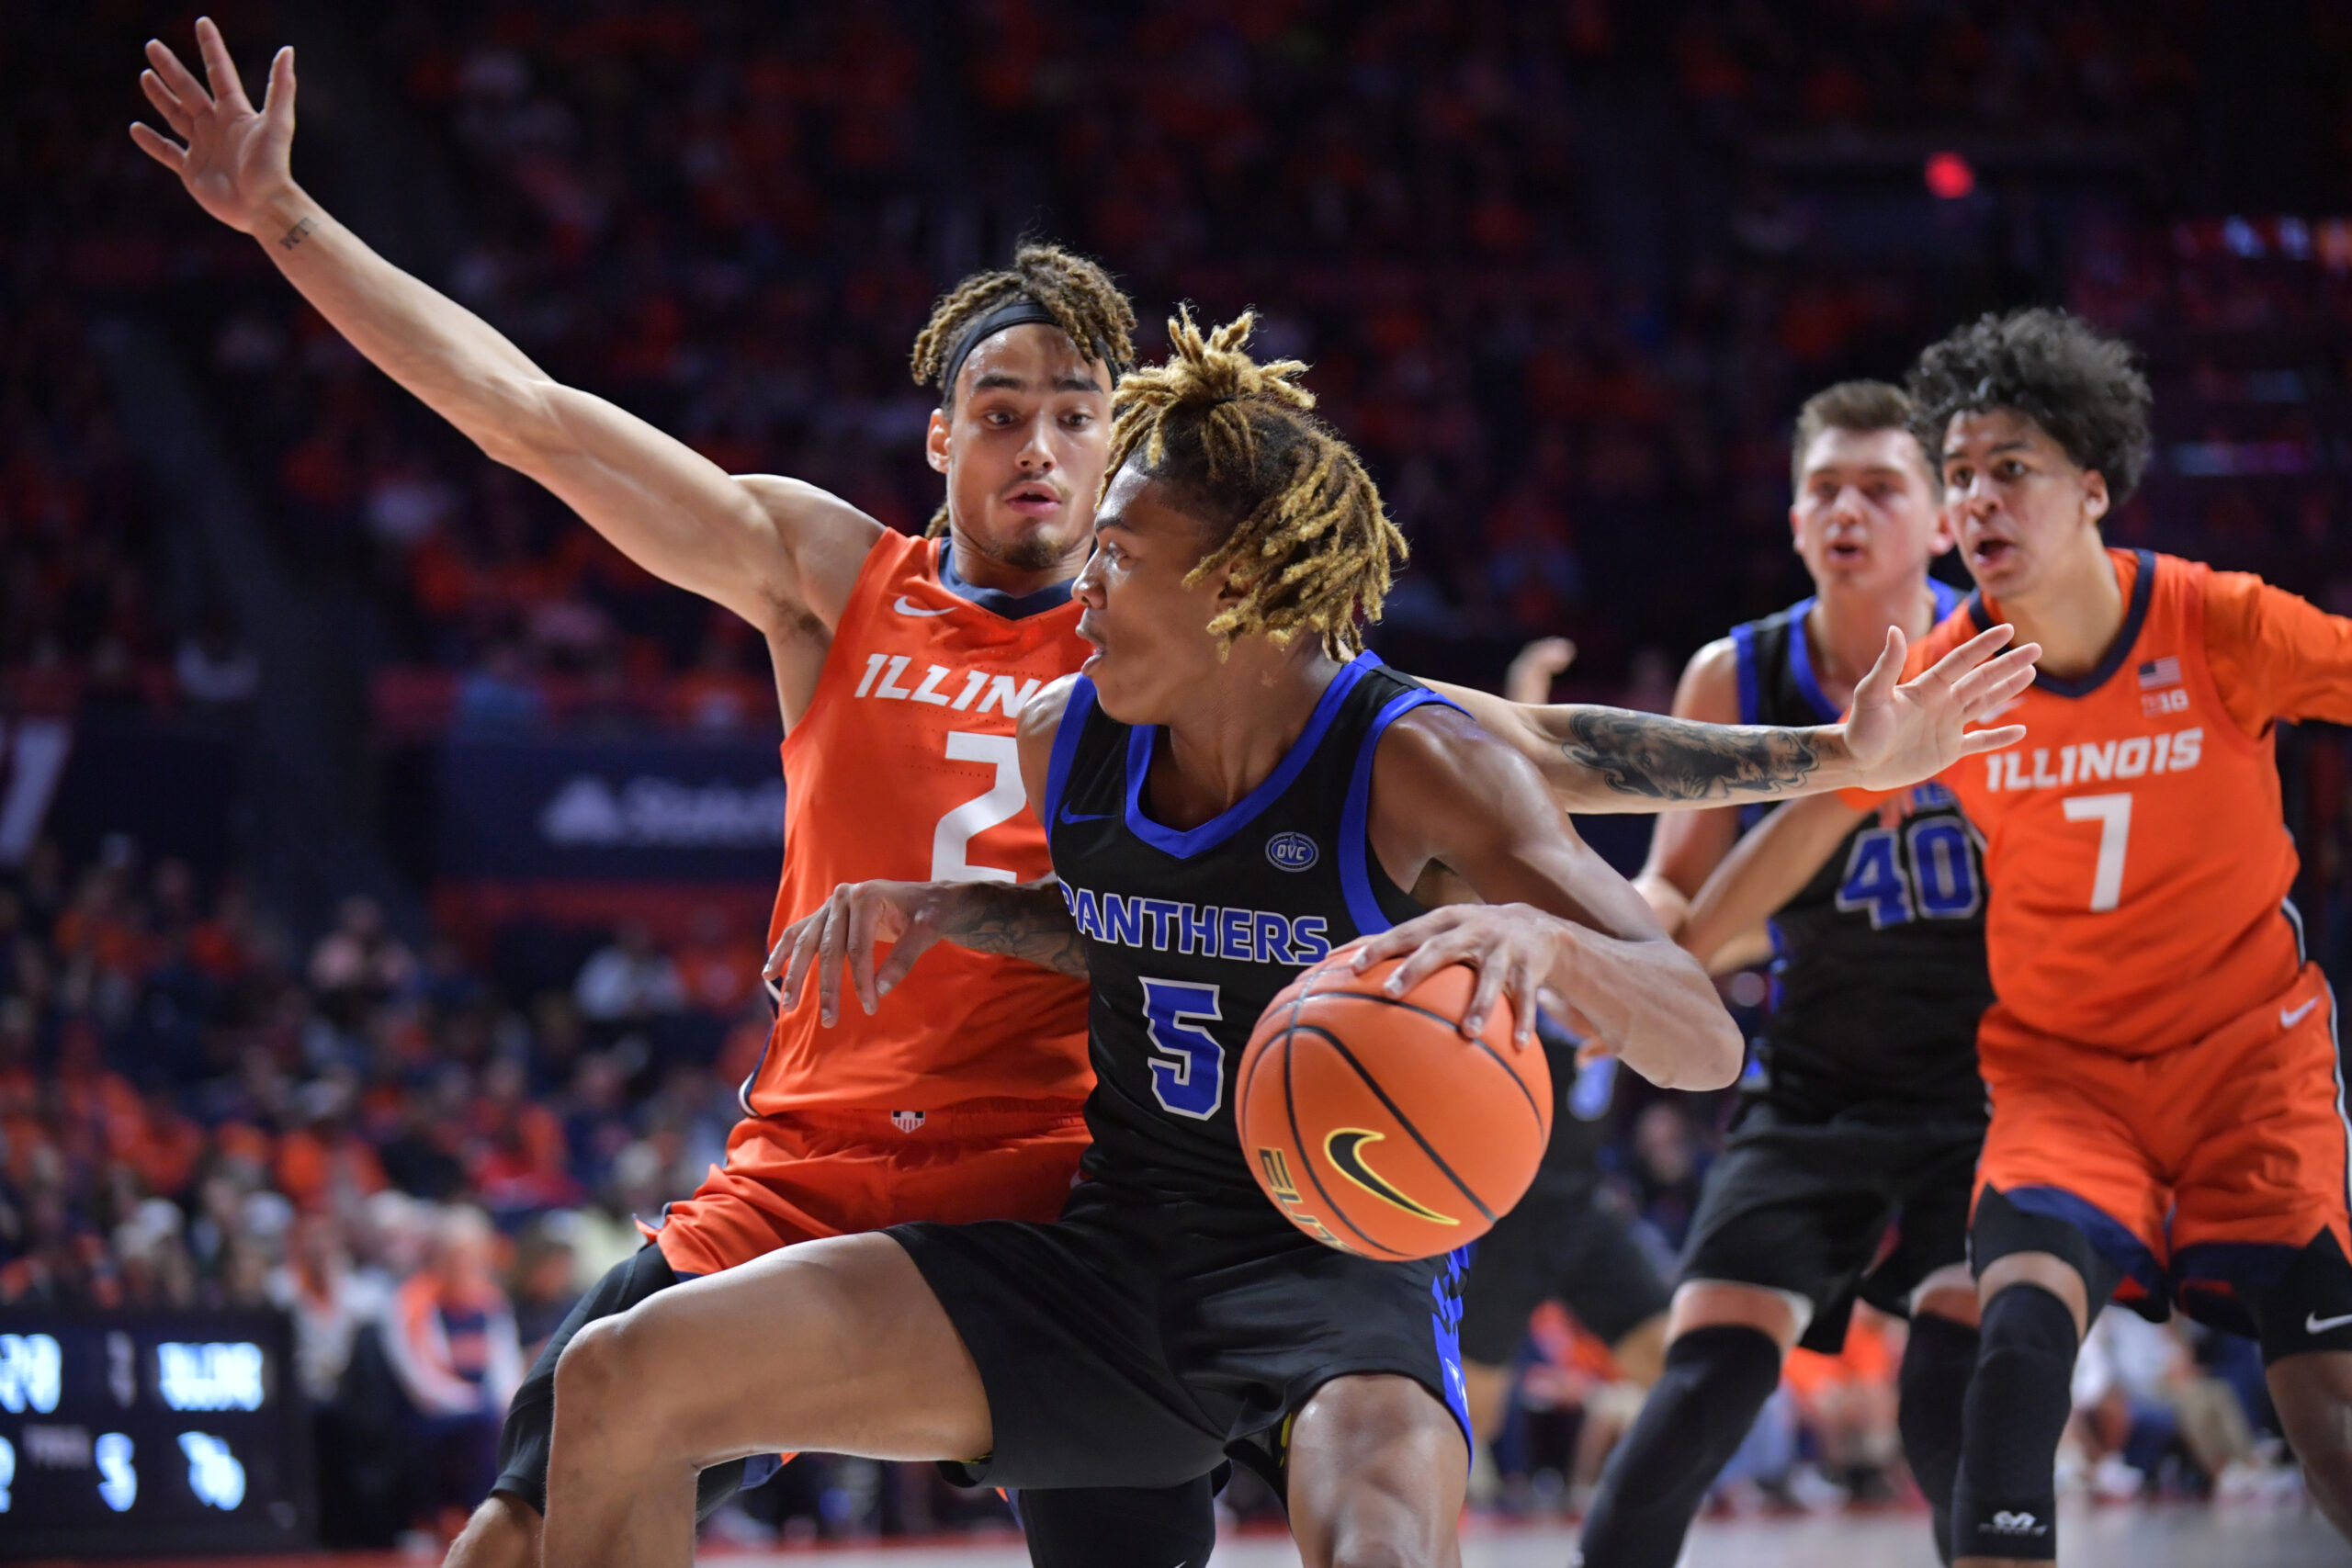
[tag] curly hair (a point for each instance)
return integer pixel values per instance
(1309, 544)
(1076, 292)
(2084, 389)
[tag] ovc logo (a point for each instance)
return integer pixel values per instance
(1292, 852)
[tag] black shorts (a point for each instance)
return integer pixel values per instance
(1140, 1341)
(1859, 1204)
(530, 1416)
(1563, 1241)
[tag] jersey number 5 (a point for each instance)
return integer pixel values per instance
(1191, 1082)
(952, 840)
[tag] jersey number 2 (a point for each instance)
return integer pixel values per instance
(952, 840)
(1188, 1071)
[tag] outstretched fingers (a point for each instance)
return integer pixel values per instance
(1947, 672)
(162, 149)
(278, 98)
(218, 68)
(1975, 742)
(176, 78)
(1881, 678)
(167, 103)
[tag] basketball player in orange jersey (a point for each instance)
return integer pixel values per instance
(1232, 789)
(898, 666)
(2167, 1096)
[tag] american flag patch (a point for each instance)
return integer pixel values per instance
(2156, 672)
(907, 1121)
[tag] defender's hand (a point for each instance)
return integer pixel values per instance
(846, 930)
(1899, 735)
(236, 161)
(1511, 945)
(1530, 677)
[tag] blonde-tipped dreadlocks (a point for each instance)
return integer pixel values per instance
(1076, 292)
(1307, 542)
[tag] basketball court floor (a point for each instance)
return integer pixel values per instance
(2134, 1537)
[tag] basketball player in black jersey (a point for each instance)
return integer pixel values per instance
(1849, 1169)
(1231, 793)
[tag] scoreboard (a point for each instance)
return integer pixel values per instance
(150, 1433)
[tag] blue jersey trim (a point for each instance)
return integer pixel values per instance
(1355, 819)
(1947, 597)
(1187, 842)
(1743, 648)
(1065, 735)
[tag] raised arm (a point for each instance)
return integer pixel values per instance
(1899, 733)
(1558, 926)
(1762, 872)
(773, 550)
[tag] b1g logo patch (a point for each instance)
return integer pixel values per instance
(1292, 852)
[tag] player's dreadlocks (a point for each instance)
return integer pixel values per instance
(2082, 387)
(1305, 535)
(1076, 292)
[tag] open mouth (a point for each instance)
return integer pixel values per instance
(1033, 500)
(1990, 553)
(1847, 552)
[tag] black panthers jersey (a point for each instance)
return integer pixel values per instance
(1878, 973)
(1189, 934)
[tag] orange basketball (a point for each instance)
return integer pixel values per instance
(1376, 1125)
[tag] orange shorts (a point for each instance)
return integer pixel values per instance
(799, 1175)
(2198, 1171)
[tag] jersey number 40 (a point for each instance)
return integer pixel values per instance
(1922, 870)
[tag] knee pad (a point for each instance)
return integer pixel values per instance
(1933, 1386)
(1696, 1416)
(2005, 1503)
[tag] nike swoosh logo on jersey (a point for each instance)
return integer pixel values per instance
(1074, 818)
(907, 606)
(1345, 1147)
(2287, 1019)
(2316, 1324)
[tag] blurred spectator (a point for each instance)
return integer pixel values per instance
(359, 961)
(628, 981)
(330, 1298)
(1667, 1170)
(215, 670)
(452, 1342)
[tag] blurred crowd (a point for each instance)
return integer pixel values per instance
(1563, 271)
(1547, 274)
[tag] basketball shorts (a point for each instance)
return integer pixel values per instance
(1563, 1242)
(1141, 1340)
(2212, 1175)
(797, 1178)
(818, 1173)
(1862, 1203)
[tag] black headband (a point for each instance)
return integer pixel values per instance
(1019, 312)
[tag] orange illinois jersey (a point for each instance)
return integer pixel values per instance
(905, 767)
(2135, 842)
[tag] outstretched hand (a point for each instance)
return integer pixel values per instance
(1900, 734)
(236, 160)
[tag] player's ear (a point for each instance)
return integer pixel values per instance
(1943, 536)
(2094, 497)
(934, 441)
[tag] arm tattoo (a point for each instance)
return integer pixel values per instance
(1674, 759)
(297, 234)
(1027, 920)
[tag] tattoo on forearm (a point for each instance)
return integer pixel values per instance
(297, 234)
(1027, 920)
(1674, 758)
